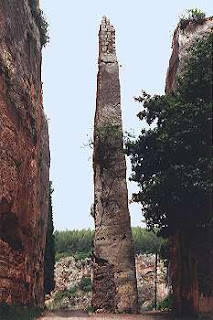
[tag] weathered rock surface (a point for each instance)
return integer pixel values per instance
(191, 264)
(114, 281)
(70, 272)
(182, 40)
(24, 157)
(146, 278)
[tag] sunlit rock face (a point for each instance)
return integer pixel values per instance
(24, 157)
(191, 263)
(183, 38)
(114, 280)
(71, 273)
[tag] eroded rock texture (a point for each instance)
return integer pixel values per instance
(24, 157)
(191, 254)
(182, 40)
(114, 283)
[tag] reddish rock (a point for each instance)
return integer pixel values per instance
(24, 157)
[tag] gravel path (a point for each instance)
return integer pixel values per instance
(78, 315)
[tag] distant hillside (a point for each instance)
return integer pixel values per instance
(78, 243)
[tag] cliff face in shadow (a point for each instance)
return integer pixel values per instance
(192, 253)
(24, 157)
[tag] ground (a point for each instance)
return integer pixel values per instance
(78, 315)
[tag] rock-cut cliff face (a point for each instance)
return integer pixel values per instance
(182, 40)
(24, 157)
(191, 254)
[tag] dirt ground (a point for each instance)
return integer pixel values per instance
(78, 315)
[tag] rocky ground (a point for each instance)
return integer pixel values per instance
(145, 272)
(73, 283)
(80, 315)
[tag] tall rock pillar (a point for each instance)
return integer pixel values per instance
(114, 279)
(24, 156)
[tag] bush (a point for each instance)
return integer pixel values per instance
(196, 14)
(109, 142)
(70, 293)
(85, 284)
(16, 312)
(61, 255)
(62, 299)
(166, 304)
(82, 255)
(56, 305)
(191, 15)
(91, 309)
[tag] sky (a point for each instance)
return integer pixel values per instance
(144, 32)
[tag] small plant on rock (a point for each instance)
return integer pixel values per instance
(191, 15)
(85, 284)
(110, 140)
(196, 14)
(70, 293)
(41, 22)
(166, 304)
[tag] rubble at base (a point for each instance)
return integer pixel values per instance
(71, 275)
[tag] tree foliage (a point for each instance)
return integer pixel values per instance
(49, 257)
(18, 312)
(171, 160)
(79, 242)
(109, 141)
(146, 241)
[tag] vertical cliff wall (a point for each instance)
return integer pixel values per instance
(192, 252)
(183, 38)
(114, 283)
(24, 156)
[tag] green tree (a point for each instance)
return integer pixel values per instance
(172, 163)
(49, 258)
(146, 241)
(76, 243)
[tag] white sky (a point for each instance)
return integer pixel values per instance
(143, 39)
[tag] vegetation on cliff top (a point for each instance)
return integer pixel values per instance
(191, 15)
(172, 161)
(41, 22)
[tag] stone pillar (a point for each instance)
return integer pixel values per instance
(114, 279)
(24, 157)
